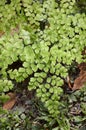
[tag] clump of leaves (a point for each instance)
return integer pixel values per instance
(12, 120)
(73, 112)
(51, 37)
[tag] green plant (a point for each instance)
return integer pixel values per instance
(12, 120)
(51, 36)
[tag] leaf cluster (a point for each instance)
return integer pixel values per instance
(51, 37)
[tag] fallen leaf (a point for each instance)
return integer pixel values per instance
(11, 102)
(82, 66)
(11, 95)
(81, 79)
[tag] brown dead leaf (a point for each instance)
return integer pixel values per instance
(11, 102)
(82, 66)
(81, 79)
(11, 95)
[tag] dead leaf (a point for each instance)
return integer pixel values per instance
(11, 95)
(82, 66)
(81, 79)
(11, 102)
